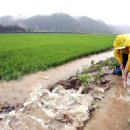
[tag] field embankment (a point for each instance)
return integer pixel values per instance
(28, 53)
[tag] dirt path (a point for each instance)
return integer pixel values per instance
(17, 91)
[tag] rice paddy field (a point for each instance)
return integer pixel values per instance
(22, 54)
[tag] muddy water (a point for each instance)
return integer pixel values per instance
(114, 110)
(17, 91)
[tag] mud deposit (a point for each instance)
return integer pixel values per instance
(93, 100)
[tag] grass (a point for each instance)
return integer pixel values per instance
(21, 54)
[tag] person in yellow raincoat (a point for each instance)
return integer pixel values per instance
(122, 53)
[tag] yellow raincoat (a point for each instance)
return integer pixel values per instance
(122, 41)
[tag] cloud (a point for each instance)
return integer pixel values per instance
(110, 11)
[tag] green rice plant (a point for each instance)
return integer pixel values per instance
(84, 69)
(97, 77)
(98, 72)
(111, 62)
(22, 54)
(84, 79)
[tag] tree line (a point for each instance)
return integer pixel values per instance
(11, 29)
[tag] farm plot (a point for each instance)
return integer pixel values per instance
(22, 54)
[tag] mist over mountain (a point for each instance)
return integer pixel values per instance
(60, 22)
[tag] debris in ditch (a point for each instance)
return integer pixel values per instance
(68, 106)
(6, 108)
(72, 82)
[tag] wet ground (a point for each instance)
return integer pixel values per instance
(21, 101)
(18, 90)
(111, 113)
(114, 110)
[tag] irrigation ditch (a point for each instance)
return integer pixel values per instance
(73, 104)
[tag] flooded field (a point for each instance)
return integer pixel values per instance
(67, 104)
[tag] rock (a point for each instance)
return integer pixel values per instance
(100, 90)
(105, 80)
(6, 108)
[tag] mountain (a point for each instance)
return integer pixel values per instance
(120, 29)
(92, 26)
(6, 20)
(60, 22)
(53, 23)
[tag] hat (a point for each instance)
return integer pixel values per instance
(120, 42)
(120, 47)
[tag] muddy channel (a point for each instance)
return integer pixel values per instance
(114, 110)
(57, 100)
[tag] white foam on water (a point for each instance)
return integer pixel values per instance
(126, 97)
(40, 121)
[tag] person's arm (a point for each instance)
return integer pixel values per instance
(127, 68)
(118, 56)
(124, 75)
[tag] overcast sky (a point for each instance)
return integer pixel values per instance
(110, 11)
